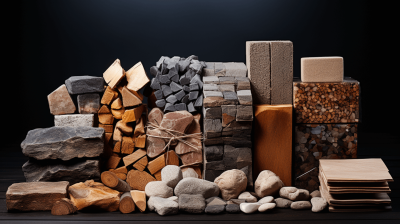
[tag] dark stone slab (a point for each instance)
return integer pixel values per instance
(166, 90)
(159, 94)
(210, 175)
(64, 143)
(212, 125)
(184, 81)
(154, 71)
(169, 107)
(160, 103)
(185, 99)
(175, 87)
(212, 113)
(155, 84)
(232, 208)
(197, 79)
(214, 153)
(199, 101)
(71, 171)
(190, 108)
(180, 106)
(89, 103)
(179, 95)
(230, 157)
(84, 84)
(164, 79)
(186, 88)
(215, 209)
(237, 142)
(193, 95)
(213, 141)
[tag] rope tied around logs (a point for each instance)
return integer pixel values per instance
(174, 136)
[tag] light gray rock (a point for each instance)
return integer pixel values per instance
(84, 84)
(215, 209)
(210, 87)
(163, 206)
(194, 203)
(318, 204)
(63, 143)
(238, 201)
(173, 198)
(283, 203)
(171, 175)
(215, 201)
(294, 194)
(231, 183)
(235, 69)
(212, 93)
(249, 207)
(267, 199)
(315, 193)
(71, 171)
(158, 189)
(226, 88)
(232, 208)
(189, 172)
(245, 97)
(247, 196)
(267, 184)
(266, 206)
(298, 205)
(74, 120)
(219, 69)
(244, 113)
(210, 80)
(209, 70)
(193, 186)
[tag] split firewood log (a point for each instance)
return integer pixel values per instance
(139, 197)
(126, 203)
(139, 179)
(112, 181)
(63, 207)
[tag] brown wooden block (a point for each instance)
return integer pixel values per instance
(125, 128)
(113, 162)
(157, 175)
(135, 156)
(108, 96)
(127, 145)
(117, 147)
(121, 169)
(117, 104)
(136, 77)
(118, 113)
(139, 128)
(107, 127)
(273, 141)
(114, 74)
(141, 164)
(140, 141)
(107, 138)
(104, 110)
(171, 158)
(156, 164)
(117, 136)
(106, 118)
(113, 181)
(139, 179)
(133, 114)
(121, 176)
(139, 197)
(129, 98)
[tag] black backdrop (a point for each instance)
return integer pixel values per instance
(50, 41)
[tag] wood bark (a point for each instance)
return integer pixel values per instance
(111, 180)
(126, 203)
(63, 207)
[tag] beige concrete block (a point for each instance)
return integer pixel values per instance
(281, 72)
(322, 69)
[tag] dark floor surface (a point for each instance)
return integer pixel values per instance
(371, 145)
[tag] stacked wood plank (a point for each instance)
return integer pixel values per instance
(357, 185)
(326, 109)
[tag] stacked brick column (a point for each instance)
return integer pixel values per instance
(227, 121)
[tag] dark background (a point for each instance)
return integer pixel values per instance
(53, 40)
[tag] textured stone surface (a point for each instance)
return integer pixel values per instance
(232, 208)
(281, 72)
(315, 193)
(35, 196)
(171, 175)
(192, 203)
(209, 70)
(247, 196)
(71, 171)
(212, 113)
(228, 114)
(226, 88)
(215, 201)
(219, 69)
(294, 194)
(212, 94)
(266, 206)
(242, 83)
(244, 113)
(163, 206)
(215, 101)
(318, 204)
(88, 103)
(297, 205)
(189, 172)
(63, 143)
(192, 158)
(155, 116)
(245, 97)
(84, 84)
(210, 80)
(214, 153)
(215, 209)
(249, 207)
(231, 183)
(210, 87)
(178, 121)
(267, 184)
(227, 80)
(322, 69)
(267, 199)
(74, 120)
(192, 185)
(60, 102)
(235, 69)
(158, 189)
(283, 203)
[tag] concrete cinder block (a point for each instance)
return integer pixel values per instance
(281, 72)
(322, 69)
(74, 120)
(235, 69)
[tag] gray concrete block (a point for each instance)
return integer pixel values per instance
(231, 97)
(209, 70)
(242, 83)
(244, 113)
(227, 80)
(227, 88)
(210, 80)
(281, 72)
(210, 87)
(219, 69)
(236, 69)
(212, 113)
(74, 120)
(245, 97)
(212, 93)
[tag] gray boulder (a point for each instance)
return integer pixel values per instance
(283, 203)
(84, 84)
(163, 206)
(232, 208)
(158, 189)
(192, 203)
(63, 143)
(215, 209)
(191, 185)
(171, 175)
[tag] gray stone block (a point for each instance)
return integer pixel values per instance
(186, 88)
(89, 103)
(183, 65)
(191, 108)
(175, 78)
(226, 80)
(164, 80)
(244, 113)
(160, 62)
(185, 99)
(175, 87)
(169, 107)
(159, 94)
(211, 80)
(212, 113)
(237, 142)
(160, 103)
(184, 81)
(190, 74)
(212, 94)
(154, 71)
(171, 99)
(242, 83)
(180, 106)
(230, 157)
(212, 125)
(228, 114)
(84, 84)
(236, 69)
(197, 79)
(209, 70)
(231, 97)
(194, 87)
(166, 90)
(210, 87)
(214, 165)
(219, 69)
(74, 120)
(226, 88)
(197, 67)
(210, 175)
(199, 101)
(179, 95)
(193, 95)
(244, 158)
(173, 61)
(213, 141)
(213, 153)
(244, 97)
(155, 84)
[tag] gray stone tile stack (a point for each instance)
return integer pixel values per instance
(227, 119)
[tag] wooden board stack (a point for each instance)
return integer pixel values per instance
(326, 108)
(270, 68)
(227, 119)
(357, 185)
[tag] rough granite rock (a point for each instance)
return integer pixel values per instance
(84, 84)
(35, 196)
(232, 208)
(71, 171)
(247, 196)
(249, 207)
(191, 185)
(267, 199)
(171, 175)
(63, 143)
(189, 172)
(74, 120)
(215, 209)
(88, 103)
(266, 206)
(163, 206)
(297, 205)
(267, 184)
(192, 203)
(294, 194)
(283, 203)
(318, 204)
(158, 189)
(60, 102)
(231, 183)
(315, 193)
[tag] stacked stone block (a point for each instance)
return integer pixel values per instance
(227, 119)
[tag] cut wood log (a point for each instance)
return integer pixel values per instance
(121, 176)
(121, 169)
(63, 207)
(126, 128)
(157, 175)
(133, 114)
(112, 181)
(140, 141)
(129, 98)
(104, 110)
(136, 77)
(141, 164)
(114, 74)
(135, 156)
(171, 158)
(108, 96)
(117, 104)
(139, 197)
(94, 196)
(118, 136)
(127, 145)
(138, 179)
(108, 128)
(118, 113)
(107, 137)
(117, 147)
(106, 118)
(139, 128)
(156, 164)
(113, 162)
(126, 203)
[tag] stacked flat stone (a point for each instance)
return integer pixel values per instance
(177, 83)
(227, 117)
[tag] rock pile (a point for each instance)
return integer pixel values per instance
(177, 83)
(228, 116)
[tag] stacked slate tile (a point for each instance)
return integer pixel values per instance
(177, 83)
(227, 119)
(70, 150)
(326, 110)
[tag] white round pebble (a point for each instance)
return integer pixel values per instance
(266, 206)
(249, 207)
